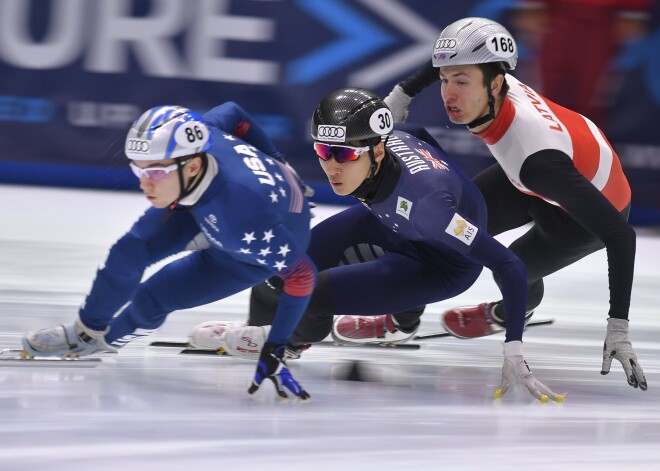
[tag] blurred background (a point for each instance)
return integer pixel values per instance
(74, 74)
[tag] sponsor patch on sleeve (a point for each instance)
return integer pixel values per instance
(461, 229)
(403, 207)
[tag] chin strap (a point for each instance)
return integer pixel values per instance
(188, 188)
(491, 111)
(372, 157)
(367, 185)
(370, 186)
(374, 165)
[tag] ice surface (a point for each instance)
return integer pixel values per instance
(149, 408)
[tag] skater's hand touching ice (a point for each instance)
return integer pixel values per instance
(515, 369)
(272, 366)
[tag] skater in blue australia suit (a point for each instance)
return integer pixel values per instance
(218, 186)
(423, 214)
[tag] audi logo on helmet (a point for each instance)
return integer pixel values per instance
(445, 45)
(331, 133)
(137, 145)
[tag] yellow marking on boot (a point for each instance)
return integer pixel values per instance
(25, 355)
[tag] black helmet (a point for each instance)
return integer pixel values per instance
(351, 114)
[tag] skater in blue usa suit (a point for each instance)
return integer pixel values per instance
(217, 175)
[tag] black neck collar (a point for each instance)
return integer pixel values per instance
(382, 184)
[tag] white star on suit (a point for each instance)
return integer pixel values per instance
(268, 235)
(249, 237)
(284, 249)
(279, 265)
(273, 197)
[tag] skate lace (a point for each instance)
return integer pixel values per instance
(487, 308)
(388, 325)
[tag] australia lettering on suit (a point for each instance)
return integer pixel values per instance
(411, 159)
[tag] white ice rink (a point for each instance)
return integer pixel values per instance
(149, 408)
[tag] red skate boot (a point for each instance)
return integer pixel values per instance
(369, 329)
(468, 322)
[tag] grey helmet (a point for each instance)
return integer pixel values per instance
(475, 41)
(351, 114)
(167, 132)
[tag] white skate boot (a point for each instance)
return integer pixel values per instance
(210, 335)
(233, 338)
(67, 341)
(236, 339)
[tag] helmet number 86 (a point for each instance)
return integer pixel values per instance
(191, 135)
(194, 133)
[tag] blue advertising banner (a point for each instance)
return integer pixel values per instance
(74, 74)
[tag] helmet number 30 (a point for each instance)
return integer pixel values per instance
(501, 45)
(191, 135)
(381, 121)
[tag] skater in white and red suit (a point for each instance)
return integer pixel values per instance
(555, 169)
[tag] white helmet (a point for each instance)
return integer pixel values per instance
(475, 41)
(167, 132)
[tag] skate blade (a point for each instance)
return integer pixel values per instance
(201, 351)
(17, 357)
(344, 343)
(532, 323)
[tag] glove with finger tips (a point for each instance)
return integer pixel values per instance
(398, 101)
(617, 345)
(272, 366)
(515, 369)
